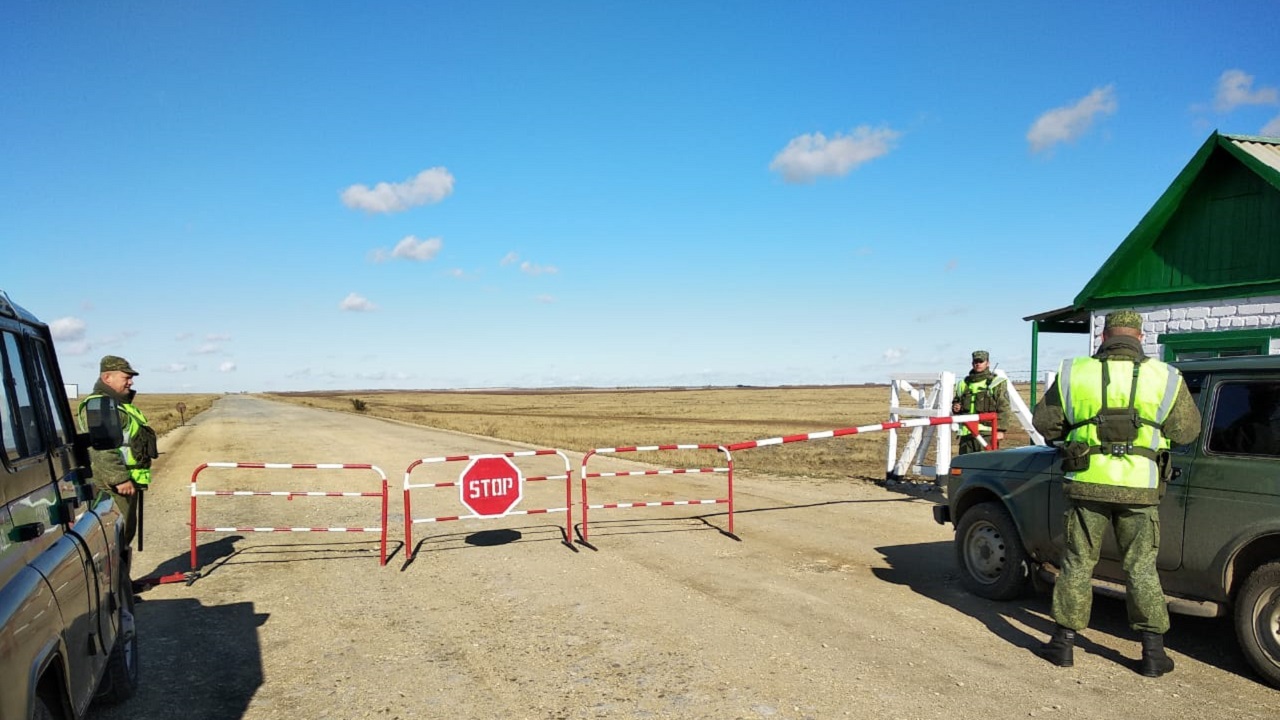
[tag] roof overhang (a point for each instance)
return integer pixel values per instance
(1069, 319)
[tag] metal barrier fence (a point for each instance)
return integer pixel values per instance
(196, 493)
(728, 470)
(490, 486)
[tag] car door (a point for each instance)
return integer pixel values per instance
(1234, 490)
(41, 528)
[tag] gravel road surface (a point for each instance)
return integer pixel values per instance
(840, 599)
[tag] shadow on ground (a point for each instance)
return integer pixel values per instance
(197, 662)
(931, 570)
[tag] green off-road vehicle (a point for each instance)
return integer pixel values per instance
(66, 601)
(1219, 517)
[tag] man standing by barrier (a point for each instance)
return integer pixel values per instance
(1117, 413)
(123, 470)
(981, 391)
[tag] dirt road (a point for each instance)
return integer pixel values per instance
(840, 600)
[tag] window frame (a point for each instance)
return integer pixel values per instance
(1253, 341)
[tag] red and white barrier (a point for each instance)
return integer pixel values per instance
(483, 483)
(970, 420)
(197, 493)
(728, 470)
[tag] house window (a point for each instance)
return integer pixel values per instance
(1227, 343)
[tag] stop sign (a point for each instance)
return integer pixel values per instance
(491, 485)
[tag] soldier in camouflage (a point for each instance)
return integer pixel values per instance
(123, 472)
(981, 391)
(1116, 481)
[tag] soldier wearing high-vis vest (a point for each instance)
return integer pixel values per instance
(124, 470)
(1116, 414)
(981, 391)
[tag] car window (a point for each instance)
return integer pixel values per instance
(1246, 419)
(20, 418)
(55, 394)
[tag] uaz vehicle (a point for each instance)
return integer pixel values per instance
(1219, 518)
(66, 602)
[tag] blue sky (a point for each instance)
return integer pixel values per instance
(337, 195)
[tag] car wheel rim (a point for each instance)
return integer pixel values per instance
(1266, 623)
(985, 553)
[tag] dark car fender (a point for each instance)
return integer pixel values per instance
(1253, 546)
(1022, 480)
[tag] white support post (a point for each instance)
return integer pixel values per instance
(1020, 409)
(931, 396)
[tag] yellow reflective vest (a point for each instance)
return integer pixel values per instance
(1154, 388)
(133, 420)
(968, 394)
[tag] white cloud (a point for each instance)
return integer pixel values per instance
(1071, 121)
(893, 355)
(1272, 128)
(357, 303)
(411, 248)
(509, 258)
(529, 268)
(217, 337)
(227, 366)
(1235, 88)
(428, 186)
(810, 156)
(67, 328)
(175, 368)
(208, 349)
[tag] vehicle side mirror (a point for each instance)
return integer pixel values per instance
(102, 417)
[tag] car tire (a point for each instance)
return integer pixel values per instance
(993, 563)
(120, 681)
(1257, 616)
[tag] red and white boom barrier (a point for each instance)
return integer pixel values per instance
(490, 487)
(970, 421)
(727, 469)
(197, 493)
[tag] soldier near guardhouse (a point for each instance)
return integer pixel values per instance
(1115, 413)
(981, 391)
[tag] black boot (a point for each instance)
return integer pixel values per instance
(1060, 648)
(1154, 661)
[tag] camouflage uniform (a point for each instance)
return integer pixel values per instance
(1131, 512)
(109, 467)
(981, 392)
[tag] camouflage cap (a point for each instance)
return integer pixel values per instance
(980, 356)
(115, 362)
(1123, 318)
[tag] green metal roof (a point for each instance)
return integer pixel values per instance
(1215, 233)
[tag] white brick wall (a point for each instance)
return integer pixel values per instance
(1239, 314)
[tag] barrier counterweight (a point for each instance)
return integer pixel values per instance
(585, 475)
(197, 493)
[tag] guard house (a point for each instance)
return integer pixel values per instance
(1203, 265)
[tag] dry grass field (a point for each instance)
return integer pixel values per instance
(580, 420)
(162, 411)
